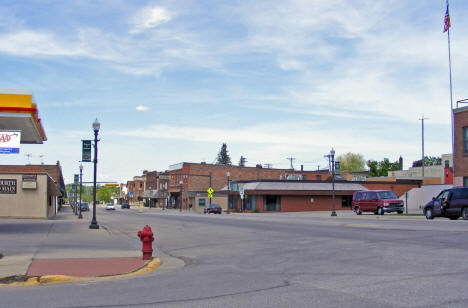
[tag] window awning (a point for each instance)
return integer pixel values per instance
(19, 112)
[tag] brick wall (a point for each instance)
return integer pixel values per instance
(461, 158)
(398, 188)
(219, 175)
(303, 203)
(152, 180)
(137, 187)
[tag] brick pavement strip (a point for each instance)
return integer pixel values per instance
(149, 266)
(85, 267)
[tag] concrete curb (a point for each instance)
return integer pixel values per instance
(55, 279)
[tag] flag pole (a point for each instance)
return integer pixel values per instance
(451, 88)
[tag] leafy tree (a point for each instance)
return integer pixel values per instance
(428, 161)
(381, 168)
(105, 193)
(223, 156)
(351, 162)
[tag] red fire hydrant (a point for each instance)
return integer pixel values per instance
(146, 236)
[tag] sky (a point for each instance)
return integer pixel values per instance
(170, 81)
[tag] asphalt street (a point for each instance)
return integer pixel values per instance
(271, 260)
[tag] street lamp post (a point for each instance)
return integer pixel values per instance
(227, 174)
(76, 203)
(81, 188)
(96, 126)
(331, 158)
(181, 193)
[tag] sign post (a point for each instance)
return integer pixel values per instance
(241, 193)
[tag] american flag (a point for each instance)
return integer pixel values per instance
(447, 20)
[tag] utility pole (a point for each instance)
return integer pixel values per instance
(422, 138)
(291, 159)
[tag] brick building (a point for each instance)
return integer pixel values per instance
(155, 194)
(193, 179)
(460, 123)
(136, 188)
(298, 196)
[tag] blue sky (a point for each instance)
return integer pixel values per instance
(170, 81)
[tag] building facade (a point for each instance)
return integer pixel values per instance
(28, 195)
(299, 196)
(460, 126)
(188, 182)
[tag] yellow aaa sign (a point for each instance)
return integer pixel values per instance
(210, 192)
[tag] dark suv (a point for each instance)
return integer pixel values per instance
(377, 201)
(212, 208)
(451, 203)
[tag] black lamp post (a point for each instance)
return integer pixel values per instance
(331, 158)
(76, 203)
(96, 126)
(81, 187)
(227, 174)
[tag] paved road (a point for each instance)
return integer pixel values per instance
(278, 260)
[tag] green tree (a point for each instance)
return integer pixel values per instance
(105, 193)
(428, 161)
(351, 162)
(223, 156)
(381, 168)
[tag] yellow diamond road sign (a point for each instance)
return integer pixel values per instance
(210, 190)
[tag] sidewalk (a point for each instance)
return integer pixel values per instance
(64, 246)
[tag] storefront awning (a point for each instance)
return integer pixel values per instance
(19, 112)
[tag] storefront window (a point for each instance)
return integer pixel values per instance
(232, 202)
(465, 140)
(249, 203)
(271, 203)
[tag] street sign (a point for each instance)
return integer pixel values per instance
(76, 178)
(86, 151)
(112, 184)
(210, 192)
(337, 167)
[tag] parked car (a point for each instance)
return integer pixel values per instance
(377, 201)
(84, 206)
(125, 205)
(451, 203)
(110, 206)
(212, 208)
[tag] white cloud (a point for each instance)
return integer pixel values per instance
(142, 108)
(149, 18)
